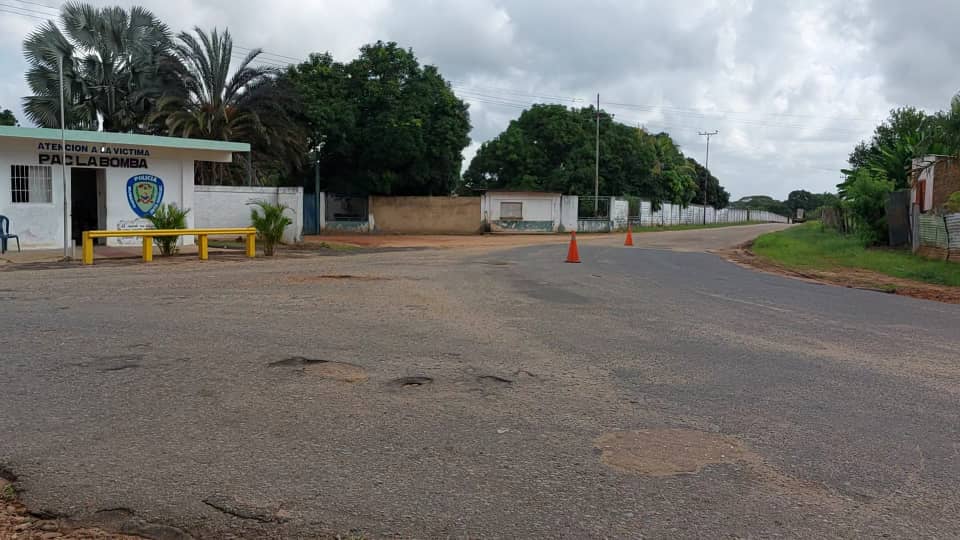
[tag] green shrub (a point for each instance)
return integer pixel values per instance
(168, 216)
(270, 222)
(953, 203)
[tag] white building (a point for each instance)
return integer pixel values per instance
(113, 180)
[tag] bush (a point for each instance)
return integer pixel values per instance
(168, 216)
(866, 201)
(953, 203)
(269, 224)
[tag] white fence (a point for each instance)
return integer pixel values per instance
(674, 214)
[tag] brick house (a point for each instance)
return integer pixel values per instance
(933, 180)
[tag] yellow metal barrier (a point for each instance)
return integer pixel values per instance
(149, 234)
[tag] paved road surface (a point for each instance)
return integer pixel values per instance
(800, 410)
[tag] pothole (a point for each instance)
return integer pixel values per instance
(493, 379)
(324, 369)
(244, 510)
(669, 452)
(325, 277)
(295, 361)
(411, 382)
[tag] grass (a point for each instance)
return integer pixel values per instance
(811, 246)
(692, 226)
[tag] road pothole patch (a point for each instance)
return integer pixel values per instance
(669, 452)
(411, 382)
(337, 371)
(324, 369)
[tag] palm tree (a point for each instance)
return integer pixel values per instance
(249, 105)
(116, 64)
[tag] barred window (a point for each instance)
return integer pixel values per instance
(511, 210)
(31, 184)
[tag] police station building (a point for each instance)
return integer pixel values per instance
(114, 180)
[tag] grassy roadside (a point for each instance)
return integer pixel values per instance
(811, 247)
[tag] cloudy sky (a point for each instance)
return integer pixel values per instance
(791, 86)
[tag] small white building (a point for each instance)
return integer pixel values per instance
(524, 211)
(114, 180)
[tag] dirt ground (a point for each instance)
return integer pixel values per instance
(437, 241)
(846, 277)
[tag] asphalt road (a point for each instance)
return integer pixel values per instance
(150, 388)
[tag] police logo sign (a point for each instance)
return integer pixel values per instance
(144, 193)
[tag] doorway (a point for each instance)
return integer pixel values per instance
(88, 193)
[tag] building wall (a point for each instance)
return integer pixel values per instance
(174, 172)
(540, 212)
(927, 174)
(229, 206)
(946, 181)
(426, 215)
(40, 225)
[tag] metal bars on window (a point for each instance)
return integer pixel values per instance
(31, 184)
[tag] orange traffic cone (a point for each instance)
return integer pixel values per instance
(573, 254)
(629, 240)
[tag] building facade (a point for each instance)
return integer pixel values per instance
(105, 181)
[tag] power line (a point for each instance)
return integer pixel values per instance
(2, 10)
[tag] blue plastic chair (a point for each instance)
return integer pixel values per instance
(5, 234)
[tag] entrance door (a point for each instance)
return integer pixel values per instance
(86, 204)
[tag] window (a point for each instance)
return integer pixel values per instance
(31, 184)
(922, 195)
(511, 210)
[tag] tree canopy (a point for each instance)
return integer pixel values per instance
(386, 124)
(552, 148)
(226, 100)
(116, 64)
(7, 118)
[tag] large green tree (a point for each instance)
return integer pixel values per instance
(7, 118)
(233, 103)
(717, 196)
(116, 64)
(386, 124)
(552, 148)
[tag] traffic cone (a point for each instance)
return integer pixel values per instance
(573, 254)
(629, 240)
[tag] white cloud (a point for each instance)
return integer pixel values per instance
(792, 86)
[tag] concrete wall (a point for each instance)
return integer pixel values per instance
(229, 206)
(426, 215)
(569, 206)
(540, 211)
(619, 211)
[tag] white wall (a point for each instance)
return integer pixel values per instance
(229, 206)
(175, 173)
(39, 225)
(537, 207)
(569, 209)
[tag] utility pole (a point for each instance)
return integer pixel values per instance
(706, 165)
(67, 211)
(596, 172)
